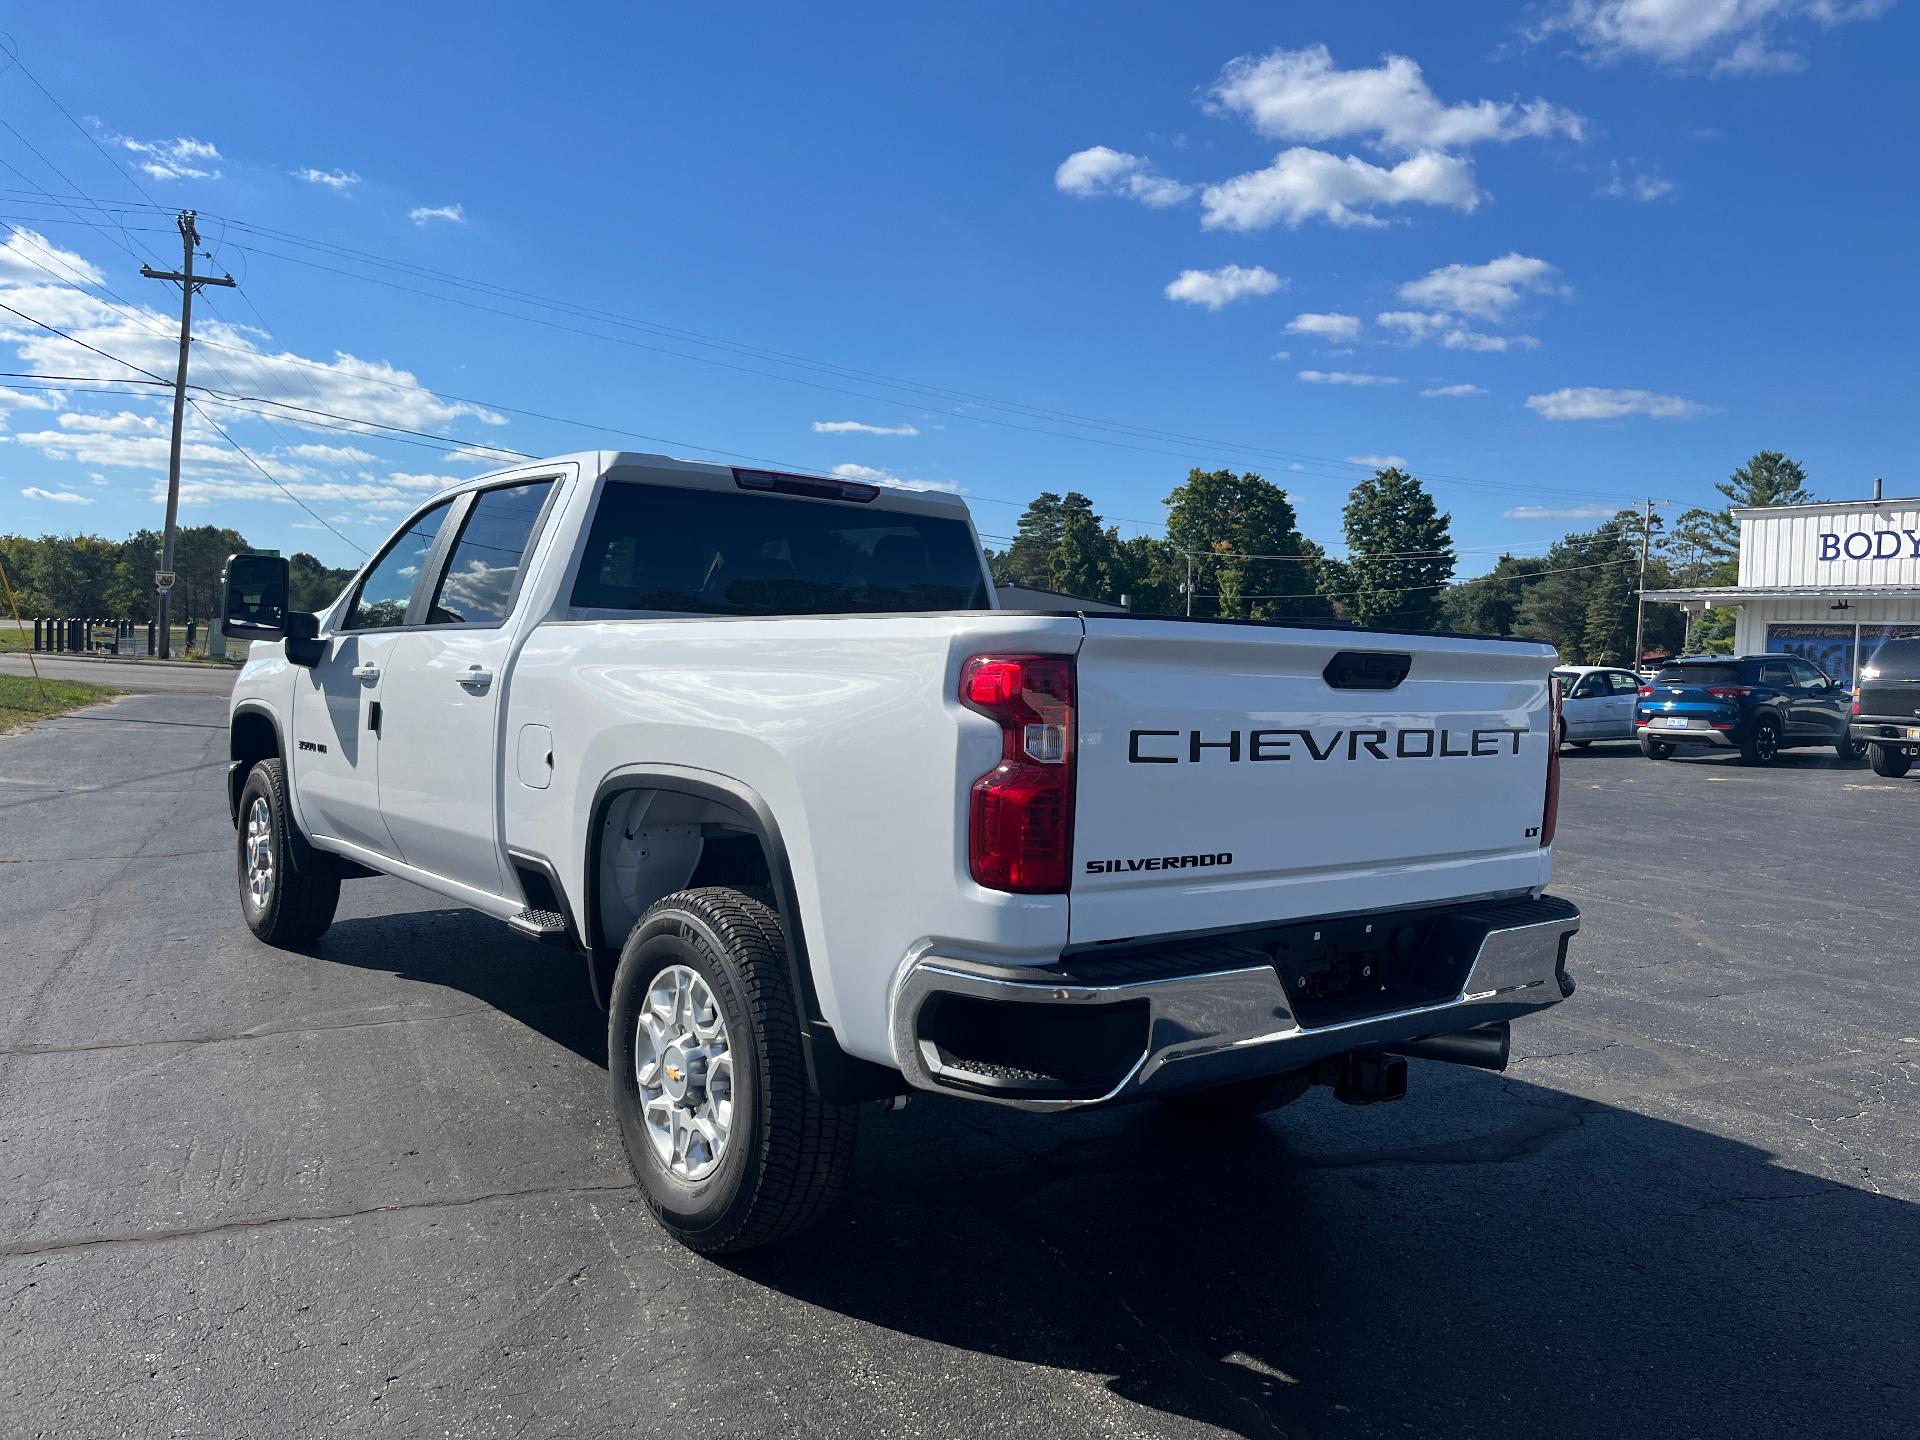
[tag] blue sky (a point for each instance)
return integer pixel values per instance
(1618, 245)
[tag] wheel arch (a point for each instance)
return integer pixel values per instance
(833, 1074)
(253, 735)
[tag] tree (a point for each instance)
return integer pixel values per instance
(1769, 478)
(1028, 560)
(314, 586)
(1249, 558)
(1584, 601)
(1490, 604)
(1399, 552)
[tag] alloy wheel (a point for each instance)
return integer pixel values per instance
(683, 1063)
(259, 852)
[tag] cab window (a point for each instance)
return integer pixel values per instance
(381, 601)
(480, 580)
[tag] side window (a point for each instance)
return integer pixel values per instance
(1806, 676)
(1592, 685)
(381, 601)
(1775, 673)
(478, 586)
(1625, 684)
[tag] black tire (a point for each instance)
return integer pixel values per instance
(1888, 761)
(1242, 1098)
(301, 890)
(1850, 750)
(1762, 743)
(1655, 749)
(1579, 744)
(786, 1151)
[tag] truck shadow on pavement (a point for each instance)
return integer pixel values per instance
(1543, 1265)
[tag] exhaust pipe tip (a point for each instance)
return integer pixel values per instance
(1485, 1048)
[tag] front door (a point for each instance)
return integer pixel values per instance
(337, 704)
(440, 766)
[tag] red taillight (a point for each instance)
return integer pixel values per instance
(1730, 692)
(1646, 691)
(1856, 702)
(1020, 818)
(1550, 815)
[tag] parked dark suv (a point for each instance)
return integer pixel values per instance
(1886, 706)
(1757, 704)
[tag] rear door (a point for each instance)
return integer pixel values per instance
(440, 766)
(1583, 703)
(1231, 775)
(1625, 686)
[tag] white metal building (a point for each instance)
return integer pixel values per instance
(1827, 582)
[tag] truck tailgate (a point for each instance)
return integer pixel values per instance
(1223, 779)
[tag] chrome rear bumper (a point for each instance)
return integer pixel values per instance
(1116, 1025)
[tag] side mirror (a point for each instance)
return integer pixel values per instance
(256, 588)
(254, 607)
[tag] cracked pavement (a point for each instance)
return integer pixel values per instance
(377, 1190)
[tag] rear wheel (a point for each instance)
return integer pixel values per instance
(1655, 749)
(1243, 1097)
(1850, 750)
(1762, 745)
(1581, 744)
(1888, 761)
(287, 893)
(730, 1146)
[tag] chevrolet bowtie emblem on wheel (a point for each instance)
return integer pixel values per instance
(674, 1074)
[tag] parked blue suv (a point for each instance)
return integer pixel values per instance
(1756, 704)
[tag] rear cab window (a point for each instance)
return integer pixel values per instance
(663, 550)
(1727, 674)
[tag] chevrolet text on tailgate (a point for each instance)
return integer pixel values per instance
(827, 826)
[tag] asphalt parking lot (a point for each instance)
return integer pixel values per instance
(377, 1189)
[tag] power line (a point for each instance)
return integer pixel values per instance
(271, 479)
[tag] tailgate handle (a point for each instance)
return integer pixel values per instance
(1367, 669)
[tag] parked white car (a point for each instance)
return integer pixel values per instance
(826, 825)
(1596, 703)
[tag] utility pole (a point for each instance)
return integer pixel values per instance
(1640, 596)
(1189, 584)
(188, 283)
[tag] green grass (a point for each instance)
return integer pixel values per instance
(21, 701)
(12, 642)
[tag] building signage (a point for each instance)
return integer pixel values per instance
(1868, 545)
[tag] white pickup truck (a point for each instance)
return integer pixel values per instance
(828, 827)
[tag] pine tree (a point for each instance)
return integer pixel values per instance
(1399, 552)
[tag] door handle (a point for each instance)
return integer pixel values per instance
(366, 672)
(477, 677)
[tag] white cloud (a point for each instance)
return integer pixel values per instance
(123, 423)
(338, 181)
(1450, 391)
(1214, 288)
(1303, 184)
(1415, 325)
(1303, 95)
(858, 427)
(1101, 170)
(425, 214)
(181, 158)
(1588, 402)
(29, 258)
(1464, 339)
(1378, 462)
(61, 497)
(1548, 512)
(1488, 290)
(1283, 354)
(1735, 36)
(1633, 183)
(1327, 327)
(1345, 377)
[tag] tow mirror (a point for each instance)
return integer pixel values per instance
(254, 607)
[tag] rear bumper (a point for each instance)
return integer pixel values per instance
(1725, 739)
(1891, 733)
(1120, 1023)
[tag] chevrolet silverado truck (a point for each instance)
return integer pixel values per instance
(827, 826)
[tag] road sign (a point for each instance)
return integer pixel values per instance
(163, 580)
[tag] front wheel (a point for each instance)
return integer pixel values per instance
(1762, 745)
(287, 893)
(730, 1146)
(1888, 761)
(1850, 750)
(1655, 749)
